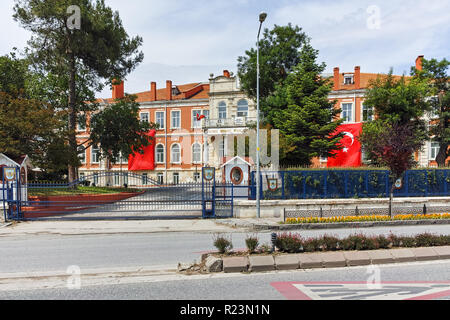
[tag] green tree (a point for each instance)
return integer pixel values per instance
(436, 73)
(399, 129)
(279, 54)
(118, 130)
(77, 62)
(304, 115)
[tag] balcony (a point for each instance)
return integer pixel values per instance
(234, 122)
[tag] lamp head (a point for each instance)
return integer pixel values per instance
(262, 17)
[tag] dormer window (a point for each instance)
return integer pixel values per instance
(348, 79)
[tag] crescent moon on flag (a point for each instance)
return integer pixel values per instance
(351, 137)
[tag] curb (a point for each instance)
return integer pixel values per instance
(336, 225)
(332, 259)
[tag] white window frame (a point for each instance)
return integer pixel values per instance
(177, 180)
(84, 155)
(222, 104)
(160, 178)
(163, 119)
(246, 113)
(352, 79)
(171, 153)
(163, 153)
(92, 155)
(85, 123)
(352, 110)
(362, 113)
(194, 123)
(430, 154)
(148, 116)
(172, 126)
(200, 153)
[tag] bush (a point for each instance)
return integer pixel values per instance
(429, 240)
(382, 242)
(311, 245)
(222, 243)
(288, 242)
(330, 243)
(407, 242)
(252, 243)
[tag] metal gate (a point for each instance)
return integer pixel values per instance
(11, 193)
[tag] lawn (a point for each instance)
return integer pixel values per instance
(77, 191)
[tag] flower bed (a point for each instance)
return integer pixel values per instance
(294, 243)
(401, 217)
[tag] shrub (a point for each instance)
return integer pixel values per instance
(222, 243)
(289, 242)
(265, 248)
(252, 243)
(407, 242)
(382, 242)
(311, 245)
(428, 240)
(330, 243)
(394, 240)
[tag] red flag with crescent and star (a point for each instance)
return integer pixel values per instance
(350, 155)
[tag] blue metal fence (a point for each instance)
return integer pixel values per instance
(329, 184)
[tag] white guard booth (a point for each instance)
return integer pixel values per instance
(236, 171)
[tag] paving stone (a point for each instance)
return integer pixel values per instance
(357, 258)
(214, 264)
(235, 264)
(425, 254)
(287, 262)
(333, 259)
(261, 263)
(443, 252)
(381, 256)
(403, 255)
(310, 260)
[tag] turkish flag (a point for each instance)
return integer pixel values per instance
(350, 155)
(146, 161)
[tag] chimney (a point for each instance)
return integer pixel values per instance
(226, 74)
(118, 90)
(357, 77)
(419, 61)
(336, 79)
(153, 92)
(169, 90)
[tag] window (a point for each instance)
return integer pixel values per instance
(434, 150)
(95, 154)
(176, 154)
(347, 112)
(116, 179)
(82, 154)
(125, 178)
(160, 156)
(81, 176)
(123, 159)
(96, 179)
(160, 178)
(196, 153)
(222, 110)
(160, 119)
(348, 79)
(242, 110)
(323, 159)
(195, 122)
(367, 113)
(222, 148)
(145, 117)
(81, 122)
(206, 114)
(176, 178)
(176, 119)
(196, 177)
(144, 179)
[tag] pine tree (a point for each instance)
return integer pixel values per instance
(303, 113)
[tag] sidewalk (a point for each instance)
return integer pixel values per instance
(113, 227)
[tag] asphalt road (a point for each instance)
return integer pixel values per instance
(36, 253)
(266, 286)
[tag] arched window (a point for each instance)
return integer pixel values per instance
(222, 110)
(176, 153)
(196, 153)
(160, 153)
(242, 110)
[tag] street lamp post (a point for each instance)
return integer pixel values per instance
(262, 18)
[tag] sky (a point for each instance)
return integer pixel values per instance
(185, 41)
